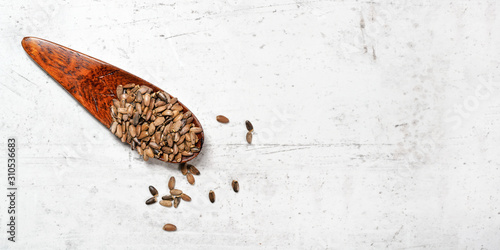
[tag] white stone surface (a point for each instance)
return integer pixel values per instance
(366, 138)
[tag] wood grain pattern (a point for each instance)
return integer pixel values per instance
(90, 81)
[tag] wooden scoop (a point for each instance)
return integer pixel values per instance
(90, 81)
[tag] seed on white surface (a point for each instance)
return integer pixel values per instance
(151, 201)
(222, 119)
(211, 196)
(171, 183)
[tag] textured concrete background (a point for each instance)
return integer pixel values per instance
(377, 125)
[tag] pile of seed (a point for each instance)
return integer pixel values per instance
(154, 123)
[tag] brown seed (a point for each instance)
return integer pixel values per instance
(184, 129)
(187, 114)
(190, 178)
(185, 197)
(138, 98)
(177, 107)
(193, 137)
(135, 119)
(195, 150)
(222, 119)
(166, 203)
(178, 117)
(162, 96)
(164, 157)
(249, 137)
(132, 131)
(175, 192)
(160, 109)
(160, 104)
(139, 108)
(153, 191)
(178, 157)
(119, 132)
(143, 89)
(181, 139)
(122, 110)
(177, 125)
(196, 130)
(236, 186)
(143, 135)
(177, 200)
(249, 126)
(116, 103)
(114, 112)
(186, 153)
(167, 197)
(149, 152)
(170, 141)
(211, 196)
(119, 90)
(113, 127)
(130, 98)
(167, 113)
(173, 100)
(193, 169)
(184, 168)
(140, 150)
(189, 120)
(174, 113)
(169, 227)
(154, 145)
(176, 149)
(129, 86)
(151, 129)
(150, 200)
(171, 183)
(145, 127)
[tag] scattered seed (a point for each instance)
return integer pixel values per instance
(170, 227)
(236, 186)
(171, 183)
(175, 192)
(177, 200)
(249, 126)
(153, 191)
(185, 197)
(211, 196)
(249, 137)
(222, 119)
(193, 169)
(184, 168)
(167, 197)
(150, 200)
(166, 203)
(190, 178)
